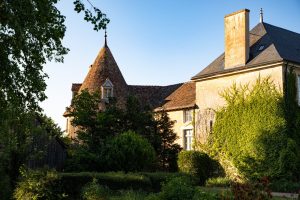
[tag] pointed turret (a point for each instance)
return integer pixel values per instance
(105, 77)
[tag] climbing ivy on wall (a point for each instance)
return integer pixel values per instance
(258, 130)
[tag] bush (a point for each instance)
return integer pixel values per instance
(285, 186)
(204, 195)
(73, 182)
(218, 182)
(195, 163)
(38, 185)
(157, 178)
(178, 188)
(129, 152)
(94, 191)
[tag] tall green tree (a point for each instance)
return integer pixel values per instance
(168, 150)
(31, 33)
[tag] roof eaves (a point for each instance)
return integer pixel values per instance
(175, 108)
(237, 69)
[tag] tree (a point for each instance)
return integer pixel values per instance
(96, 126)
(31, 33)
(168, 150)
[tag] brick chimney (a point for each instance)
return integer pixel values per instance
(236, 38)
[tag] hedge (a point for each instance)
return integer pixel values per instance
(72, 183)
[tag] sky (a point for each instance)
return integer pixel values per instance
(154, 42)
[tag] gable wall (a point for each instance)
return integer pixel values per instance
(208, 98)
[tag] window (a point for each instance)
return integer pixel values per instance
(188, 139)
(187, 116)
(107, 89)
(107, 92)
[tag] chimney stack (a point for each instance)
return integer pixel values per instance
(236, 39)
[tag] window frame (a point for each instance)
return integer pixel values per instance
(187, 115)
(188, 137)
(107, 85)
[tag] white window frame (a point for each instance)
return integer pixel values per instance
(185, 116)
(188, 137)
(107, 86)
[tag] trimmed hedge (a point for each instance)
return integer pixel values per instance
(70, 185)
(73, 182)
(199, 165)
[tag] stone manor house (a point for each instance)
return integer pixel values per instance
(266, 50)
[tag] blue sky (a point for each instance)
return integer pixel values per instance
(155, 42)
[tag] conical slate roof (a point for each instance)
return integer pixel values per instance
(103, 68)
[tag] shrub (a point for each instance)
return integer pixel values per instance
(285, 186)
(204, 195)
(129, 195)
(195, 163)
(218, 182)
(249, 191)
(38, 185)
(73, 182)
(157, 178)
(94, 191)
(129, 152)
(178, 188)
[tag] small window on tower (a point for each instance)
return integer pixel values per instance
(107, 89)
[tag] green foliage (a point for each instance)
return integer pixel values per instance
(99, 20)
(19, 136)
(38, 184)
(31, 33)
(129, 152)
(218, 182)
(205, 195)
(167, 150)
(195, 163)
(96, 149)
(252, 132)
(129, 195)
(72, 183)
(284, 185)
(177, 188)
(252, 191)
(94, 191)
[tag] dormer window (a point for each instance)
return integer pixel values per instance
(107, 89)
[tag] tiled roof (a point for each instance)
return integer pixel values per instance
(278, 44)
(153, 96)
(183, 97)
(75, 87)
(105, 67)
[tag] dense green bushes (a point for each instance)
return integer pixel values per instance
(39, 185)
(177, 188)
(197, 164)
(252, 132)
(129, 152)
(94, 191)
